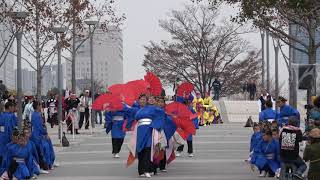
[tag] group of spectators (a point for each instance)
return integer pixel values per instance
(275, 143)
(27, 151)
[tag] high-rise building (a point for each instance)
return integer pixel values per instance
(107, 60)
(7, 60)
(300, 58)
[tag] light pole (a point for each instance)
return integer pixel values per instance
(262, 32)
(92, 23)
(59, 30)
(268, 62)
(19, 16)
(276, 58)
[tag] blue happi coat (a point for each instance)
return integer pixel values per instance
(195, 123)
(22, 155)
(267, 154)
(255, 139)
(144, 132)
(267, 115)
(40, 139)
(7, 123)
(169, 127)
(115, 121)
(287, 111)
(33, 166)
(132, 113)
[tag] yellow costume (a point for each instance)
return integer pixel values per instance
(197, 104)
(208, 102)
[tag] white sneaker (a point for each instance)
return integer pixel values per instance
(178, 154)
(148, 175)
(191, 155)
(263, 174)
(34, 177)
(56, 165)
(163, 170)
(142, 175)
(116, 156)
(44, 171)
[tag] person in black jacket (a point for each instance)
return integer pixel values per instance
(290, 137)
(216, 88)
(252, 89)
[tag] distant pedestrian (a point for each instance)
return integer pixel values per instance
(84, 110)
(3, 88)
(216, 88)
(252, 89)
(265, 96)
(97, 112)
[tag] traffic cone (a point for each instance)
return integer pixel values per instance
(249, 122)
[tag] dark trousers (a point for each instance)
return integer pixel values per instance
(116, 145)
(190, 147)
(84, 115)
(252, 95)
(163, 162)
(145, 165)
(100, 117)
(298, 163)
(267, 169)
(216, 95)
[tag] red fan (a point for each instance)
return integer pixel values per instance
(180, 110)
(108, 102)
(126, 93)
(155, 87)
(138, 87)
(185, 127)
(185, 89)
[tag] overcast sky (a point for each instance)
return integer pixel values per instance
(141, 26)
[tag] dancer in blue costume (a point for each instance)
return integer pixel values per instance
(255, 139)
(17, 158)
(149, 118)
(267, 155)
(41, 139)
(286, 111)
(114, 123)
(33, 166)
(268, 115)
(8, 121)
(189, 103)
(142, 101)
(169, 130)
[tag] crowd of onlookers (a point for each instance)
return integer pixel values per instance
(26, 150)
(275, 143)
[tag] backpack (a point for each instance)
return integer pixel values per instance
(64, 140)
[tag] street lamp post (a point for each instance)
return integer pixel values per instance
(276, 57)
(18, 35)
(268, 61)
(262, 51)
(91, 23)
(59, 30)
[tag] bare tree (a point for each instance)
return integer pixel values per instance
(295, 22)
(201, 50)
